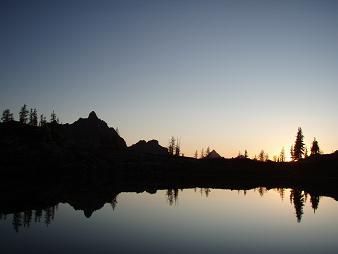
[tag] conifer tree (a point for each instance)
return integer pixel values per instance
(246, 154)
(23, 114)
(171, 146)
(315, 147)
(7, 116)
(282, 155)
(53, 117)
(298, 149)
(196, 154)
(33, 117)
(177, 148)
(30, 121)
(261, 156)
(43, 120)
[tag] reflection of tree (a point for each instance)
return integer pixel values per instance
(114, 201)
(207, 191)
(314, 199)
(17, 221)
(297, 198)
(27, 218)
(281, 192)
(261, 191)
(38, 215)
(49, 214)
(172, 196)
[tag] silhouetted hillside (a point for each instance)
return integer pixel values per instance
(92, 133)
(87, 142)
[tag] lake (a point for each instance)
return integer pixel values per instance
(181, 221)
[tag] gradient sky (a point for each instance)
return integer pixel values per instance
(231, 75)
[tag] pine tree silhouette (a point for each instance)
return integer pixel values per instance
(298, 148)
(7, 116)
(23, 114)
(314, 147)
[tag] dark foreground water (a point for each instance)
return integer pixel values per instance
(181, 221)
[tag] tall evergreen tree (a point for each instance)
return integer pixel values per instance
(23, 114)
(30, 120)
(314, 147)
(196, 154)
(282, 155)
(43, 120)
(171, 146)
(298, 148)
(177, 148)
(261, 155)
(33, 117)
(53, 117)
(7, 116)
(246, 154)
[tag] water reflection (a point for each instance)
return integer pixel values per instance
(298, 198)
(25, 218)
(172, 196)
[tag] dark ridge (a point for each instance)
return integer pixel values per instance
(150, 147)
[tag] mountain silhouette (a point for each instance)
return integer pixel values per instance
(150, 147)
(84, 144)
(213, 155)
(93, 133)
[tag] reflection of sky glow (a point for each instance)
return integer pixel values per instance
(222, 221)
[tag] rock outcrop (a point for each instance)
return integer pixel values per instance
(93, 133)
(213, 155)
(150, 147)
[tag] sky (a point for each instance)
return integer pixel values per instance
(232, 75)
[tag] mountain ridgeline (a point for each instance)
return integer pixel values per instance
(57, 145)
(45, 164)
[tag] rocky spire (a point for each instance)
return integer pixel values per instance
(92, 115)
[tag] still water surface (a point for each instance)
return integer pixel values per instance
(181, 221)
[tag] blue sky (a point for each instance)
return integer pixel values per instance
(231, 75)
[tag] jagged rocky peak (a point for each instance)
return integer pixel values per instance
(92, 115)
(94, 132)
(150, 147)
(213, 155)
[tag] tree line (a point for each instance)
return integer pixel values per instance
(29, 117)
(297, 151)
(174, 147)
